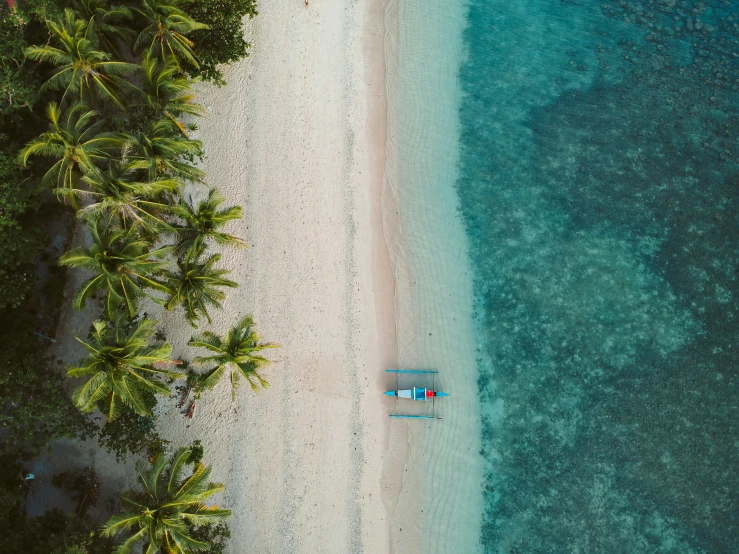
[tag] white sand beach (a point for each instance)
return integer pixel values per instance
(297, 137)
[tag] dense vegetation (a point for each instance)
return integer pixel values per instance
(96, 108)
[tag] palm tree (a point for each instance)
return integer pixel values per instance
(163, 512)
(167, 91)
(77, 142)
(120, 200)
(108, 21)
(122, 363)
(237, 353)
(80, 67)
(166, 30)
(194, 284)
(163, 147)
(201, 223)
(124, 263)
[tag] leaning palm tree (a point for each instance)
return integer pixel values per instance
(201, 223)
(125, 267)
(81, 69)
(76, 140)
(122, 363)
(165, 33)
(167, 92)
(237, 354)
(163, 147)
(119, 199)
(194, 286)
(163, 512)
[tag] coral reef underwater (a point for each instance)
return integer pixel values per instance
(599, 186)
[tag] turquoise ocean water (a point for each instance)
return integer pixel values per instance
(598, 184)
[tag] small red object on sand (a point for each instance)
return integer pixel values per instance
(191, 409)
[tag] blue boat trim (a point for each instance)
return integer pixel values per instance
(416, 371)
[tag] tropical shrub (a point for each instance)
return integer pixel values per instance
(223, 40)
(20, 241)
(34, 405)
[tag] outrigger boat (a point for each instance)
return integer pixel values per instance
(416, 393)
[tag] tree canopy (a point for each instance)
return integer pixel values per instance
(237, 354)
(166, 507)
(122, 362)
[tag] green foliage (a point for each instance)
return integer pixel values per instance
(167, 507)
(111, 23)
(201, 223)
(18, 86)
(123, 361)
(75, 141)
(237, 354)
(195, 286)
(162, 147)
(223, 41)
(164, 34)
(81, 69)
(166, 92)
(131, 433)
(124, 263)
(55, 532)
(19, 239)
(120, 199)
(34, 406)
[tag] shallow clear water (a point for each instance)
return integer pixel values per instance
(599, 187)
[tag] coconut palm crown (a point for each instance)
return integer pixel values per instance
(125, 266)
(195, 285)
(81, 69)
(108, 20)
(120, 199)
(236, 354)
(167, 92)
(75, 139)
(201, 223)
(162, 147)
(166, 28)
(170, 503)
(122, 362)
